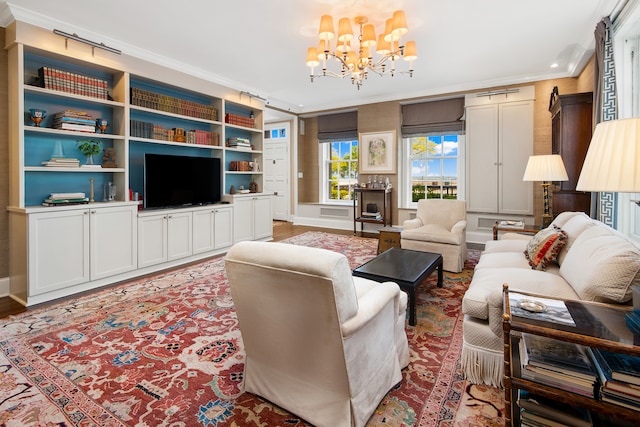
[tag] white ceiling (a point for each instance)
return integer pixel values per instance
(260, 45)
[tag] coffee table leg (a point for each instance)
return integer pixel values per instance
(412, 306)
(440, 274)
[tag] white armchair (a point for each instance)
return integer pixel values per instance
(320, 343)
(440, 226)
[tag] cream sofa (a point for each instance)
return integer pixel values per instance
(596, 264)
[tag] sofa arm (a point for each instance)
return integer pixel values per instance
(412, 223)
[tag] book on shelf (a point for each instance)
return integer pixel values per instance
(66, 196)
(620, 367)
(562, 364)
(61, 162)
(543, 409)
(65, 202)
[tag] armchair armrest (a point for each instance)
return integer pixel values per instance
(459, 227)
(412, 223)
(370, 305)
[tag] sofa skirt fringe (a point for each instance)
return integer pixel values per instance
(481, 366)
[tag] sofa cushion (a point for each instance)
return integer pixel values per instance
(602, 265)
(508, 245)
(502, 260)
(488, 280)
(574, 226)
(544, 247)
(432, 233)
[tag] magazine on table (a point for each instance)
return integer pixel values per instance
(543, 309)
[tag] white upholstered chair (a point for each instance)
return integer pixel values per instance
(440, 226)
(320, 343)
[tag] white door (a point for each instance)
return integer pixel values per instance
(277, 166)
(113, 241)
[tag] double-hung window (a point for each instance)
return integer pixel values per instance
(339, 170)
(432, 165)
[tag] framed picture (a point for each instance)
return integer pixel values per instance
(377, 152)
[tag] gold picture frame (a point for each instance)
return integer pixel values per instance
(377, 153)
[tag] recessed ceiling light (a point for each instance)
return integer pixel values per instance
(554, 65)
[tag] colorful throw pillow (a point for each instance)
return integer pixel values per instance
(544, 247)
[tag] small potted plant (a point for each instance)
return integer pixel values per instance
(89, 147)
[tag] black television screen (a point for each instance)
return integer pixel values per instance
(171, 181)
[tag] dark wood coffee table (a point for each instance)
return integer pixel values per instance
(405, 267)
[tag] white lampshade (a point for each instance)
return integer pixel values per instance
(613, 159)
(546, 167)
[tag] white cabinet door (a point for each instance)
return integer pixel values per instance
(113, 241)
(516, 145)
(499, 142)
(203, 231)
(179, 235)
(152, 240)
(263, 218)
(58, 250)
(223, 227)
(243, 219)
(482, 149)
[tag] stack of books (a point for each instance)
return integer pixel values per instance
(239, 143)
(79, 84)
(65, 199)
(536, 411)
(236, 119)
(62, 162)
(75, 120)
(560, 364)
(371, 215)
(619, 378)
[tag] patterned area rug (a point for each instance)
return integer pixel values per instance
(166, 351)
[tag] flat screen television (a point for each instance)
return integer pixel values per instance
(172, 181)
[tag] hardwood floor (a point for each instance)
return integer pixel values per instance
(281, 231)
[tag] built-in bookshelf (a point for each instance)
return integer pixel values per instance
(62, 248)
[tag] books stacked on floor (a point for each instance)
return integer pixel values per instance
(75, 120)
(65, 199)
(62, 162)
(560, 364)
(371, 215)
(239, 143)
(538, 411)
(619, 378)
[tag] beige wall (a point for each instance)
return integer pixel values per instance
(4, 161)
(386, 116)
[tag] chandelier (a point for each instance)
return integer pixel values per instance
(356, 62)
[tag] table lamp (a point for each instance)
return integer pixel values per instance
(545, 168)
(612, 164)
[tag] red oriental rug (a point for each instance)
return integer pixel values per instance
(166, 351)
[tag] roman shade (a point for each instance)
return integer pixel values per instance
(338, 127)
(433, 117)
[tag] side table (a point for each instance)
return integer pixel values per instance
(389, 237)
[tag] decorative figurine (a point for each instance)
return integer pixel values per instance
(108, 160)
(102, 124)
(37, 116)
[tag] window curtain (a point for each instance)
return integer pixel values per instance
(605, 107)
(338, 127)
(433, 117)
